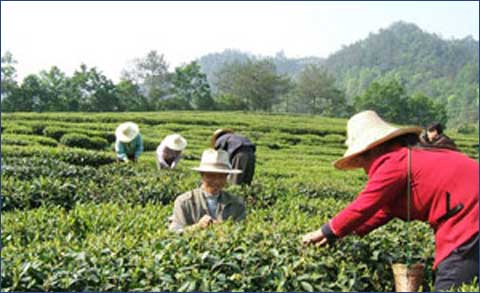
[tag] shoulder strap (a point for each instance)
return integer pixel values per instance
(409, 182)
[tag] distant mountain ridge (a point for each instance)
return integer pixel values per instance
(421, 61)
(212, 62)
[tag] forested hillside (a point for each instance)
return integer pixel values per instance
(445, 70)
(418, 76)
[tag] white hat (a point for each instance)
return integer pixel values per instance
(365, 131)
(175, 142)
(127, 131)
(216, 162)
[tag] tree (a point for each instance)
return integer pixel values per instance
(34, 94)
(26, 98)
(389, 99)
(190, 85)
(54, 84)
(423, 110)
(255, 83)
(230, 102)
(129, 96)
(94, 91)
(317, 94)
(9, 84)
(151, 74)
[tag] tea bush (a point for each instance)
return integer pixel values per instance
(25, 140)
(74, 220)
(54, 132)
(150, 144)
(70, 155)
(58, 132)
(83, 141)
(127, 248)
(16, 129)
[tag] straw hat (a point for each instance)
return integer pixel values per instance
(175, 142)
(219, 132)
(365, 131)
(216, 162)
(127, 131)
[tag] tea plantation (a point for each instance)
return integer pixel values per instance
(74, 220)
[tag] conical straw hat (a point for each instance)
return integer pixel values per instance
(216, 162)
(365, 131)
(127, 131)
(175, 142)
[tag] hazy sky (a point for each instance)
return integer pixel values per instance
(110, 34)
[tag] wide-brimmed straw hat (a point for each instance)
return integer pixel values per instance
(219, 132)
(216, 162)
(175, 142)
(365, 131)
(127, 131)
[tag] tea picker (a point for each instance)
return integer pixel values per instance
(128, 142)
(241, 152)
(444, 193)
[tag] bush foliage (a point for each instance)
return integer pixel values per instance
(74, 220)
(83, 141)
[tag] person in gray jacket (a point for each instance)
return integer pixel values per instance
(241, 153)
(209, 204)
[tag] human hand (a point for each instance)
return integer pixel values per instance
(205, 221)
(126, 160)
(315, 237)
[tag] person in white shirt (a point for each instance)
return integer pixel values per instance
(169, 151)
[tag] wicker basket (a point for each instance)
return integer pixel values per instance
(408, 279)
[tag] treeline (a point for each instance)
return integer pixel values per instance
(146, 86)
(252, 84)
(399, 70)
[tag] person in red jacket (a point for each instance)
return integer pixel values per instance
(443, 191)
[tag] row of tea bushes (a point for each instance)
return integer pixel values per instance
(83, 141)
(127, 248)
(57, 133)
(74, 156)
(29, 182)
(26, 140)
(64, 185)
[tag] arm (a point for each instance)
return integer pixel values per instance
(447, 142)
(120, 150)
(179, 220)
(241, 213)
(387, 182)
(222, 143)
(139, 148)
(327, 235)
(160, 159)
(379, 219)
(175, 162)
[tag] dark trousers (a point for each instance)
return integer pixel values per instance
(459, 267)
(243, 160)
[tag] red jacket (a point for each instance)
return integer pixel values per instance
(434, 172)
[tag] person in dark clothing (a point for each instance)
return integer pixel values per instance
(241, 152)
(434, 137)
